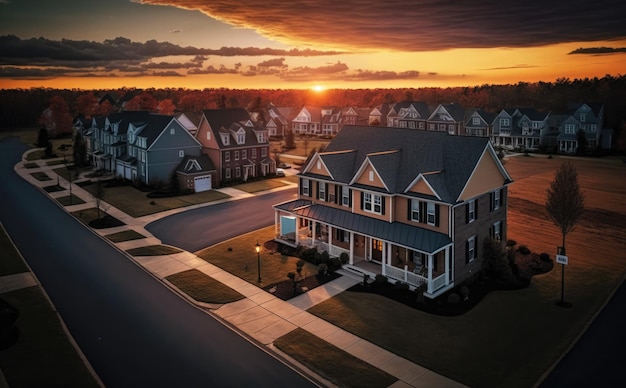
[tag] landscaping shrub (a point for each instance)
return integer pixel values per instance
(545, 257)
(322, 269)
(308, 254)
(335, 263)
(465, 292)
(400, 286)
(344, 257)
(324, 257)
(523, 249)
(511, 243)
(454, 298)
(380, 279)
(497, 263)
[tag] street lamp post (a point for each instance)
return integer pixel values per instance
(258, 259)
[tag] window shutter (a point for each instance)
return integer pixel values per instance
(491, 234)
(338, 199)
(491, 199)
(475, 209)
(362, 198)
(476, 247)
(350, 197)
(467, 213)
(317, 190)
(501, 197)
(325, 191)
(422, 207)
(382, 203)
(301, 186)
(436, 215)
(409, 209)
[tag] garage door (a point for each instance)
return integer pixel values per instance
(202, 183)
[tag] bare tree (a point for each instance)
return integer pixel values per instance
(565, 202)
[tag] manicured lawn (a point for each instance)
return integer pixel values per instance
(512, 337)
(55, 162)
(27, 136)
(70, 200)
(153, 250)
(41, 176)
(136, 203)
(332, 363)
(31, 165)
(261, 185)
(90, 217)
(126, 235)
(11, 262)
(203, 288)
(238, 256)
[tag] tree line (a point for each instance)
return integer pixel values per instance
(21, 108)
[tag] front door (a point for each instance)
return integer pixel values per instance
(377, 251)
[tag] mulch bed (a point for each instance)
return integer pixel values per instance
(284, 289)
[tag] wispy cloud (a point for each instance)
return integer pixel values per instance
(521, 66)
(599, 50)
(420, 25)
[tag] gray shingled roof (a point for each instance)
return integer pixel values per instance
(447, 160)
(420, 239)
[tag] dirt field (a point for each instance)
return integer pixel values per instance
(596, 247)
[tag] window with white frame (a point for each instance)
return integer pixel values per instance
(244, 154)
(378, 204)
(226, 139)
(570, 128)
(372, 203)
(475, 120)
(471, 211)
(241, 138)
(172, 131)
(535, 124)
(321, 191)
(367, 201)
(263, 152)
(497, 230)
(143, 156)
(261, 137)
(583, 117)
(227, 173)
(236, 155)
(253, 152)
(227, 156)
(345, 195)
(505, 122)
(305, 187)
(496, 199)
(430, 213)
(471, 248)
(415, 210)
(593, 127)
(238, 172)
(331, 196)
(371, 176)
(181, 154)
(421, 125)
(208, 135)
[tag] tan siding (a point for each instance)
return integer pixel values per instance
(422, 188)
(486, 177)
(319, 171)
(365, 180)
(356, 202)
(401, 215)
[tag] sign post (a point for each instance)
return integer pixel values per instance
(562, 259)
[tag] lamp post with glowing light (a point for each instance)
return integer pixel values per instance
(258, 259)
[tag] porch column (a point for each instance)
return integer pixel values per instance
(430, 274)
(298, 220)
(276, 223)
(447, 265)
(330, 239)
(313, 230)
(351, 259)
(384, 258)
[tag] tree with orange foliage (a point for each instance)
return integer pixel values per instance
(104, 109)
(142, 101)
(166, 107)
(87, 105)
(57, 118)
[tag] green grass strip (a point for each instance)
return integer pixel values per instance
(203, 288)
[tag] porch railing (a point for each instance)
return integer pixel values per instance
(414, 279)
(336, 251)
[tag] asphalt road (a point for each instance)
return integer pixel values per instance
(199, 228)
(134, 330)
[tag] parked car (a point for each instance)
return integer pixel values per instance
(280, 172)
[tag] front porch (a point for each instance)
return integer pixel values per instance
(372, 255)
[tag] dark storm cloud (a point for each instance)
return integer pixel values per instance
(421, 25)
(599, 50)
(74, 53)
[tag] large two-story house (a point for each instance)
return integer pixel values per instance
(523, 128)
(408, 114)
(318, 121)
(413, 205)
(238, 148)
(478, 123)
(585, 117)
(447, 117)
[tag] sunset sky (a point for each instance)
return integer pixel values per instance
(282, 44)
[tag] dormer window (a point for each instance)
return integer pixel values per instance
(583, 117)
(475, 120)
(225, 139)
(241, 138)
(261, 137)
(504, 122)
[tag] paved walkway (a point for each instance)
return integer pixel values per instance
(260, 315)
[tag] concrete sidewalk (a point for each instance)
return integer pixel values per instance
(260, 315)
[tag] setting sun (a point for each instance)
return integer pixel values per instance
(318, 88)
